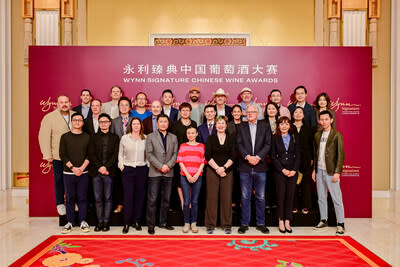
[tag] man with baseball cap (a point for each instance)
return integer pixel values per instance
(246, 95)
(220, 99)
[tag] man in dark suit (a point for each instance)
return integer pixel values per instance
(310, 117)
(91, 125)
(161, 153)
(120, 125)
(254, 143)
(208, 127)
(84, 107)
(167, 108)
(222, 109)
(150, 123)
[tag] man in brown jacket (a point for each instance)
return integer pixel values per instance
(53, 125)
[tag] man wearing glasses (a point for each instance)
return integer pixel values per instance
(103, 156)
(74, 155)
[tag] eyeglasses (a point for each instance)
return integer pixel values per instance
(77, 120)
(104, 122)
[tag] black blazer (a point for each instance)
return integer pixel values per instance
(228, 112)
(310, 116)
(148, 125)
(173, 115)
(305, 138)
(261, 148)
(88, 127)
(96, 153)
(286, 159)
(79, 110)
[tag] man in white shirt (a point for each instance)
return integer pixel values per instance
(111, 108)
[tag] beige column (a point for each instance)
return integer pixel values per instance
(67, 31)
(334, 32)
(28, 40)
(372, 36)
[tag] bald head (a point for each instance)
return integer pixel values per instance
(156, 107)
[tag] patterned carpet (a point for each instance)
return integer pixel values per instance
(90, 251)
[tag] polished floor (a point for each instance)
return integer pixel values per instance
(19, 233)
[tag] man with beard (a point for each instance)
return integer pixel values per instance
(84, 107)
(52, 127)
(246, 95)
(220, 100)
(140, 103)
(197, 107)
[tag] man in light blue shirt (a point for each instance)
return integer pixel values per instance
(246, 95)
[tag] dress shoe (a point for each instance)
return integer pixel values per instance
(137, 226)
(151, 230)
(166, 227)
(125, 230)
(106, 227)
(282, 231)
(288, 230)
(98, 227)
(263, 229)
(243, 229)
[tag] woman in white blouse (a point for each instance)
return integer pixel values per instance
(133, 165)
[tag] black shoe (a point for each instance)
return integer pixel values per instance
(282, 231)
(151, 230)
(263, 229)
(106, 227)
(288, 230)
(137, 226)
(243, 229)
(98, 227)
(166, 227)
(125, 230)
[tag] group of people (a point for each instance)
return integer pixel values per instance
(130, 155)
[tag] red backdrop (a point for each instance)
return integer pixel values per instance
(345, 73)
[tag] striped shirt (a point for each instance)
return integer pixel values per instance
(192, 156)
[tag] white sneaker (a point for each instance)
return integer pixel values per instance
(194, 228)
(322, 226)
(85, 227)
(61, 209)
(67, 228)
(340, 230)
(185, 228)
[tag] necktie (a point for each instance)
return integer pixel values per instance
(210, 126)
(125, 123)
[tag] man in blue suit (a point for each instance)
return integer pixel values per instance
(167, 98)
(310, 117)
(208, 127)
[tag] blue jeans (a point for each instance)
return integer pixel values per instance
(58, 168)
(247, 181)
(76, 189)
(325, 184)
(102, 187)
(190, 198)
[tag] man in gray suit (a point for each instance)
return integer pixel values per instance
(120, 125)
(111, 108)
(161, 153)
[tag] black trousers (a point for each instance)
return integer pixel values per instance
(156, 186)
(285, 189)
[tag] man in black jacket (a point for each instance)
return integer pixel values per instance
(84, 107)
(103, 156)
(310, 117)
(254, 143)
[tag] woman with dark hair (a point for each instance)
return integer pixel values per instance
(271, 115)
(191, 160)
(305, 136)
(285, 155)
(321, 103)
(237, 114)
(133, 165)
(220, 155)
